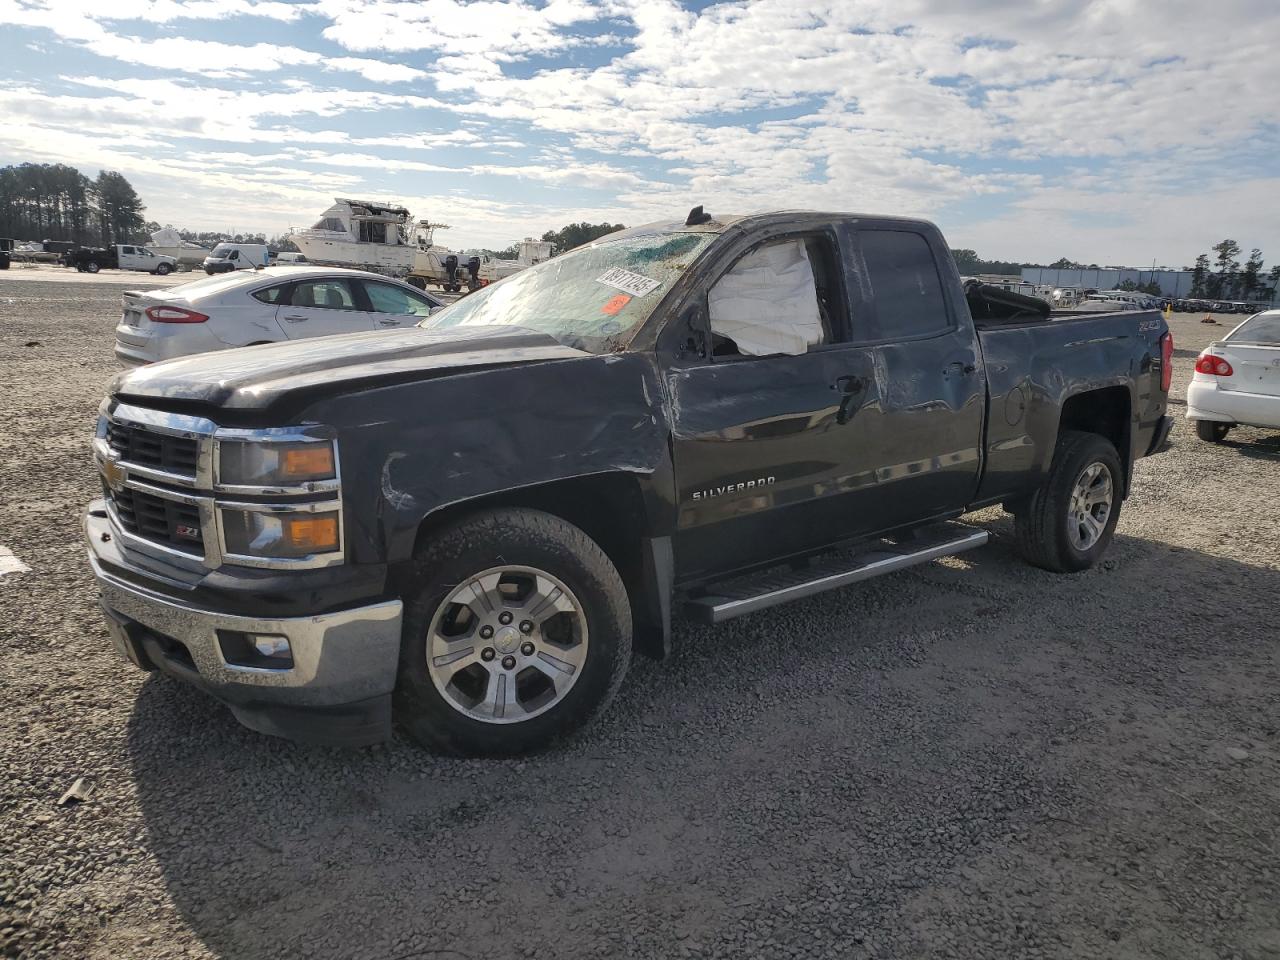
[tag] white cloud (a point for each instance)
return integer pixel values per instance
(81, 23)
(1076, 124)
(499, 29)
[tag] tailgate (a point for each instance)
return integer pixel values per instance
(1256, 368)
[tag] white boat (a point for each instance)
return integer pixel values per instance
(371, 236)
(385, 238)
(167, 242)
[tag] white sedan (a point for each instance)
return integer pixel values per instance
(1237, 380)
(250, 307)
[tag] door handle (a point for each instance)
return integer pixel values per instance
(960, 367)
(849, 388)
(389, 323)
(294, 318)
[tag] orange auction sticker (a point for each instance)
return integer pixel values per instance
(615, 304)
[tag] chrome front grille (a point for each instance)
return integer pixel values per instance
(160, 480)
(146, 448)
(158, 520)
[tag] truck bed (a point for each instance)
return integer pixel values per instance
(1035, 365)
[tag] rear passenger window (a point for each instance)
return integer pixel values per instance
(904, 283)
(269, 295)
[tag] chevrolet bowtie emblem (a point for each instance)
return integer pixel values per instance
(115, 474)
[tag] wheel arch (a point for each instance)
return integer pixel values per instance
(611, 509)
(1105, 411)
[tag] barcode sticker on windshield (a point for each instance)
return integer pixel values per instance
(628, 282)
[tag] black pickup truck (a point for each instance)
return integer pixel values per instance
(467, 527)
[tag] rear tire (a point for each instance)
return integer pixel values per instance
(445, 698)
(1212, 431)
(92, 267)
(1067, 524)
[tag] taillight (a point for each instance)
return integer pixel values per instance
(1213, 366)
(174, 315)
(1166, 361)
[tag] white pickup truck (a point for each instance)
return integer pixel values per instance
(123, 256)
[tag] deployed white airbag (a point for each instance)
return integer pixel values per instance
(768, 302)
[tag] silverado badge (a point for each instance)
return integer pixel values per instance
(732, 488)
(115, 474)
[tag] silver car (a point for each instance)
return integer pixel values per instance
(268, 305)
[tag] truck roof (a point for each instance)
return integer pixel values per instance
(719, 224)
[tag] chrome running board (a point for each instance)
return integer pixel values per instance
(742, 595)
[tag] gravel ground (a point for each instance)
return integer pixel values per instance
(969, 759)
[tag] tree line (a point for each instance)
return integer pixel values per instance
(1225, 279)
(53, 201)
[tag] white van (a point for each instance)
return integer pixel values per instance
(236, 256)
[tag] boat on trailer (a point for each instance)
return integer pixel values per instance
(385, 238)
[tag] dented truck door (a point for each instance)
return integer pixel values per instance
(928, 423)
(765, 448)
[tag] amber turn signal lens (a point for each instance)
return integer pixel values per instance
(312, 533)
(308, 460)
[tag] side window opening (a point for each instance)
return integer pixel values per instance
(385, 298)
(323, 294)
(780, 298)
(905, 286)
(269, 295)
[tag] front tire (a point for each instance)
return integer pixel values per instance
(517, 631)
(164, 270)
(1067, 524)
(1212, 431)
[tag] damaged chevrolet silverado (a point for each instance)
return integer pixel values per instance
(465, 528)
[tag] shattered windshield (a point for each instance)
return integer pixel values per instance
(593, 298)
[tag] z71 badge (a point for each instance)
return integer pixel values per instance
(732, 488)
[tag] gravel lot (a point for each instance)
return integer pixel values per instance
(970, 759)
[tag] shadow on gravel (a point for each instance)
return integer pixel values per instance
(1266, 448)
(893, 764)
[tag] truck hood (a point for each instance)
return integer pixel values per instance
(253, 378)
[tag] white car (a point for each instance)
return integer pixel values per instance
(268, 305)
(1237, 380)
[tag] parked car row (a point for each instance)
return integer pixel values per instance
(1214, 306)
(224, 258)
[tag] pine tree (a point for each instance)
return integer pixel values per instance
(119, 208)
(1200, 276)
(1249, 280)
(1225, 280)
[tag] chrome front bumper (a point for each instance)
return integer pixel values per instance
(338, 689)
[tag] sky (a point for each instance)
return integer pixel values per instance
(1107, 131)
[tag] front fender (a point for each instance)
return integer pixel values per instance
(408, 450)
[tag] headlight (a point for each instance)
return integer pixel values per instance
(279, 536)
(265, 463)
